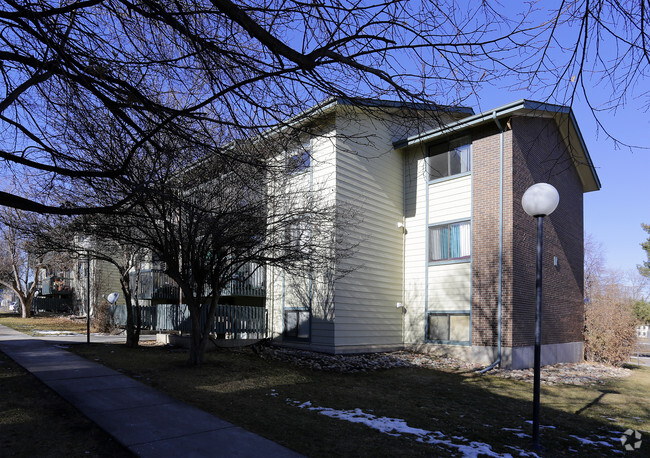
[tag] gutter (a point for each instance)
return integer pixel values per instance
(500, 293)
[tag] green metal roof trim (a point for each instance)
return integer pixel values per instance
(564, 119)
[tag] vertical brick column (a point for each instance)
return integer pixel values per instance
(540, 154)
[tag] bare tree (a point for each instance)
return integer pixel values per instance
(215, 71)
(594, 263)
(20, 264)
(208, 71)
(610, 321)
(96, 239)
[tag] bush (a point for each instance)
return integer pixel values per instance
(610, 325)
(102, 318)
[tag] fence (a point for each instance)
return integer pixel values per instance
(155, 284)
(231, 321)
(52, 304)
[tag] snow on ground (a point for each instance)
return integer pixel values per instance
(530, 422)
(55, 333)
(584, 441)
(398, 427)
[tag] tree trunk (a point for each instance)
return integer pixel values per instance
(25, 306)
(196, 349)
(132, 323)
(201, 334)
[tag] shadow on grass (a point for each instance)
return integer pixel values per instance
(36, 421)
(263, 396)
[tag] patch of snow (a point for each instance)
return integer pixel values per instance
(55, 333)
(396, 427)
(530, 422)
(274, 393)
(510, 429)
(522, 452)
(584, 441)
(522, 435)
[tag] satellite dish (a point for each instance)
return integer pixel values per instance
(112, 298)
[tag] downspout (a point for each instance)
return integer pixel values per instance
(500, 290)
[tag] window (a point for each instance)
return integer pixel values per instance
(298, 235)
(450, 241)
(299, 159)
(296, 324)
(457, 159)
(448, 327)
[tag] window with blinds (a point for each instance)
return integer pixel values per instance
(450, 241)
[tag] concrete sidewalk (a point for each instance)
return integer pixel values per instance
(147, 422)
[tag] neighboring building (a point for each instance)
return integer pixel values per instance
(445, 261)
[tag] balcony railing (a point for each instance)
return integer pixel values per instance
(250, 280)
(231, 321)
(155, 284)
(55, 286)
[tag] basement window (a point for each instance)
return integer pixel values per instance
(448, 327)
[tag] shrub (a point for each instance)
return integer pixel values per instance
(610, 325)
(102, 318)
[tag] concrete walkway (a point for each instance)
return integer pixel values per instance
(145, 421)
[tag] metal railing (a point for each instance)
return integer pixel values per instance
(250, 280)
(153, 284)
(231, 321)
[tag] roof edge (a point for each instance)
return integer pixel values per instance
(584, 165)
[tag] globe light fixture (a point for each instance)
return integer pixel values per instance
(539, 200)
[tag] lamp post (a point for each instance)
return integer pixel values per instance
(86, 244)
(539, 200)
(88, 297)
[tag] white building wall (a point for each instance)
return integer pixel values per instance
(369, 175)
(285, 291)
(445, 286)
(415, 246)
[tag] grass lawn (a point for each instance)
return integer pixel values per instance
(42, 322)
(265, 397)
(323, 414)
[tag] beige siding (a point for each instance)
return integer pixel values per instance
(450, 287)
(287, 291)
(369, 175)
(450, 200)
(105, 280)
(415, 247)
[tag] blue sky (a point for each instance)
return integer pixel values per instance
(613, 215)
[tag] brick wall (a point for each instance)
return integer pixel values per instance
(540, 155)
(485, 234)
(533, 152)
